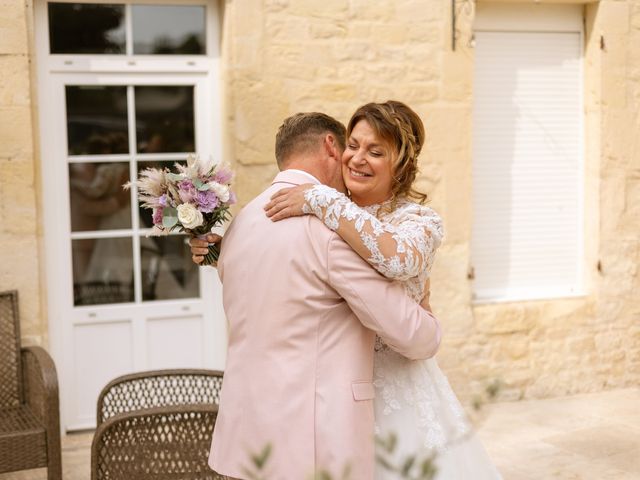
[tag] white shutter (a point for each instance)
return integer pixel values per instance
(527, 163)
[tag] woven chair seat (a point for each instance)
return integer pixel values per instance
(20, 431)
(18, 420)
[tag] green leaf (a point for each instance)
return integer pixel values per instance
(428, 469)
(261, 459)
(494, 388)
(408, 463)
(200, 185)
(384, 462)
(322, 475)
(169, 221)
(393, 442)
(175, 177)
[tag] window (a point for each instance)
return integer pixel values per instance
(527, 152)
(91, 28)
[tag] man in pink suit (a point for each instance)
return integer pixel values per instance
(303, 311)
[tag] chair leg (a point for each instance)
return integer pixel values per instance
(54, 471)
(54, 456)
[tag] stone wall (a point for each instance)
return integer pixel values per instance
(335, 55)
(19, 225)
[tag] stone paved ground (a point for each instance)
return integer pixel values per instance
(582, 437)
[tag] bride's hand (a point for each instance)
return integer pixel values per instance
(287, 202)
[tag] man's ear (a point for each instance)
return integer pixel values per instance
(330, 146)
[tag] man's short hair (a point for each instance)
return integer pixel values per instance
(303, 132)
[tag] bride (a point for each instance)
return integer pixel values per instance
(385, 222)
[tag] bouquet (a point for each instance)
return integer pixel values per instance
(194, 199)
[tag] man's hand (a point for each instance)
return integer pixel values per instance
(199, 247)
(427, 294)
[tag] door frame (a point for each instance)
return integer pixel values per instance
(53, 73)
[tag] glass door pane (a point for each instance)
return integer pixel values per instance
(114, 261)
(97, 199)
(97, 120)
(167, 269)
(164, 119)
(102, 271)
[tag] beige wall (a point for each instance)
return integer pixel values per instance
(20, 265)
(335, 55)
(283, 56)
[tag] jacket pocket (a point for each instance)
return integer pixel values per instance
(363, 391)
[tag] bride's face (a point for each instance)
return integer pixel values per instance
(366, 166)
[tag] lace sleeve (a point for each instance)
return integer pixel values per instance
(398, 250)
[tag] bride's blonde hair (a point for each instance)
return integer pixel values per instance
(401, 128)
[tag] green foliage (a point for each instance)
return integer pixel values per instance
(413, 467)
(259, 460)
(169, 217)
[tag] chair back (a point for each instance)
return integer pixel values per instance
(10, 367)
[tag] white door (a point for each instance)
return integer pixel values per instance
(123, 87)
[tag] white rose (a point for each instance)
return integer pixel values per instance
(189, 216)
(222, 191)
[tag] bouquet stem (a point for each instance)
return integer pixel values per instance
(211, 258)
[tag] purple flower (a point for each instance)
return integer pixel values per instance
(163, 200)
(232, 198)
(157, 215)
(207, 201)
(223, 176)
(187, 191)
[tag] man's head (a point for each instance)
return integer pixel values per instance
(313, 142)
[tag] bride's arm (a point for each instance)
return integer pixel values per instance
(397, 251)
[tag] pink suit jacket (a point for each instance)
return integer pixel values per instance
(303, 310)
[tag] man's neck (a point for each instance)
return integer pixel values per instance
(309, 166)
(305, 173)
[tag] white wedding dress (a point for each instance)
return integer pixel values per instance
(413, 400)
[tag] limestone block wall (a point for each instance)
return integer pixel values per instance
(335, 55)
(19, 227)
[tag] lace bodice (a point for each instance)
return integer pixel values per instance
(401, 243)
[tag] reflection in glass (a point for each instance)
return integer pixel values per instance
(167, 29)
(102, 271)
(167, 269)
(98, 201)
(146, 220)
(97, 120)
(165, 119)
(86, 28)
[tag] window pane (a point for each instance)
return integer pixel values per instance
(102, 271)
(164, 119)
(98, 201)
(86, 28)
(167, 269)
(97, 120)
(168, 30)
(146, 220)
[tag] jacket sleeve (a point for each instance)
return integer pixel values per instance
(397, 250)
(381, 304)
